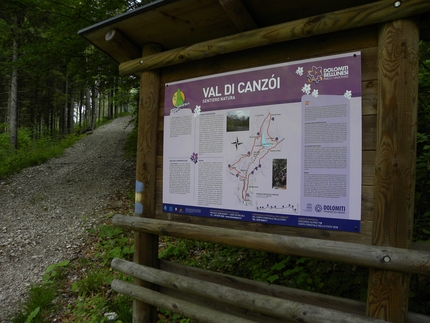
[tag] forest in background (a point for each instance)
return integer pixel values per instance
(51, 79)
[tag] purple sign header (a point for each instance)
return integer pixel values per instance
(274, 84)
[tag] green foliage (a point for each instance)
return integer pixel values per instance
(90, 284)
(90, 309)
(165, 316)
(32, 315)
(291, 271)
(55, 272)
(422, 188)
(420, 285)
(93, 295)
(114, 243)
(30, 153)
(38, 303)
(41, 297)
(131, 144)
(93, 287)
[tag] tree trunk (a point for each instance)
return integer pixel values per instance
(13, 100)
(110, 104)
(88, 108)
(94, 99)
(71, 112)
(64, 110)
(81, 100)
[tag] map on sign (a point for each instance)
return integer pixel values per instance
(251, 164)
(267, 145)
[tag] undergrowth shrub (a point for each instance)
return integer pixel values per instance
(29, 152)
(39, 302)
(291, 271)
(94, 295)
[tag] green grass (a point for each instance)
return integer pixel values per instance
(36, 152)
(30, 153)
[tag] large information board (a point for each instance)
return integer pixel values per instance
(278, 144)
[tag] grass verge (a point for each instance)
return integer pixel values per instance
(36, 152)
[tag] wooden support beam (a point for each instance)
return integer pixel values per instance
(372, 13)
(388, 292)
(239, 14)
(122, 45)
(387, 258)
(268, 305)
(190, 310)
(146, 245)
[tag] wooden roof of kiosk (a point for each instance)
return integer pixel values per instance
(175, 24)
(171, 40)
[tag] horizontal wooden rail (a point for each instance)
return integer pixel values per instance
(372, 13)
(293, 294)
(268, 305)
(382, 257)
(175, 305)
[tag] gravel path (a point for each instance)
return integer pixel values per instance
(46, 210)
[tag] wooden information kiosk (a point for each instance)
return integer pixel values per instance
(174, 44)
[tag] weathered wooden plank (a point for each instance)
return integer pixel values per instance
(368, 168)
(396, 137)
(388, 292)
(369, 97)
(387, 258)
(369, 133)
(222, 307)
(125, 49)
(294, 294)
(238, 13)
(375, 12)
(367, 203)
(146, 245)
(175, 305)
(363, 237)
(361, 39)
(268, 305)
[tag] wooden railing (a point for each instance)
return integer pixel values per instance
(213, 297)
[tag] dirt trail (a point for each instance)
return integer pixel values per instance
(46, 210)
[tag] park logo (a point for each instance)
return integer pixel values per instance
(315, 74)
(319, 74)
(178, 99)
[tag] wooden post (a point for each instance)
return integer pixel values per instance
(395, 163)
(146, 245)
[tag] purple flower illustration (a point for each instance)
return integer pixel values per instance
(194, 158)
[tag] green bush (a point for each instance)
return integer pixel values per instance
(30, 153)
(297, 272)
